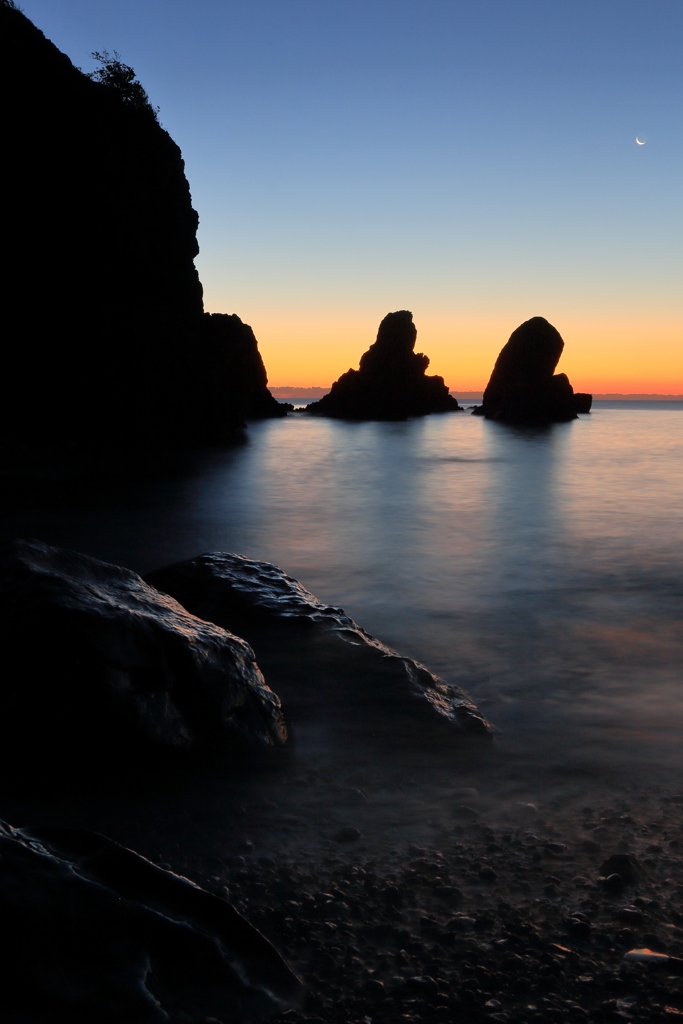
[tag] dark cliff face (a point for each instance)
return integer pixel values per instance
(102, 311)
(391, 383)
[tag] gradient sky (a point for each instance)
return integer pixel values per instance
(471, 160)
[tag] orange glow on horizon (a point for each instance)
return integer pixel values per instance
(622, 356)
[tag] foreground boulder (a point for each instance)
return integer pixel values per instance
(524, 387)
(336, 681)
(103, 663)
(390, 383)
(98, 933)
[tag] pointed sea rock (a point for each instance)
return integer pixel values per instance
(391, 383)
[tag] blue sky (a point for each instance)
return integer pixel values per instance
(473, 161)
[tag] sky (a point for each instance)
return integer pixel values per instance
(474, 161)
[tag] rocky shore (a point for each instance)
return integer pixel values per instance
(484, 919)
(388, 864)
(407, 897)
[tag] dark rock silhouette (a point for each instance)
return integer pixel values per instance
(232, 353)
(333, 677)
(105, 337)
(102, 934)
(390, 383)
(524, 387)
(107, 667)
(582, 401)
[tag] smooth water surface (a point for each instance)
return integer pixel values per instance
(538, 569)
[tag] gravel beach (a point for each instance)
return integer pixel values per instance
(406, 897)
(522, 921)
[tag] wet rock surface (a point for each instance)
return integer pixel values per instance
(524, 387)
(108, 666)
(335, 680)
(99, 933)
(391, 382)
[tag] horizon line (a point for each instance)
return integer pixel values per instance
(285, 391)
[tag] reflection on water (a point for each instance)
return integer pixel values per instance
(540, 570)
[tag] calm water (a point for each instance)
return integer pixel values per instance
(540, 570)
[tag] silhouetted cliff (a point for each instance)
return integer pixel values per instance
(102, 314)
(524, 387)
(391, 383)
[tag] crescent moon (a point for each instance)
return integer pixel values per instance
(641, 142)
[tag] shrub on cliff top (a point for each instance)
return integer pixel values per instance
(116, 75)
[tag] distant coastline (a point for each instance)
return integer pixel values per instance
(637, 398)
(288, 393)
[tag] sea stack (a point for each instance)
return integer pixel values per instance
(391, 383)
(523, 387)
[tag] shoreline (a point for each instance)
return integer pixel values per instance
(417, 899)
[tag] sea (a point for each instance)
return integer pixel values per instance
(541, 570)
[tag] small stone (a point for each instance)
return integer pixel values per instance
(449, 893)
(623, 864)
(525, 810)
(467, 813)
(355, 795)
(348, 834)
(484, 923)
(577, 929)
(630, 915)
(393, 895)
(423, 984)
(466, 793)
(461, 922)
(646, 956)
